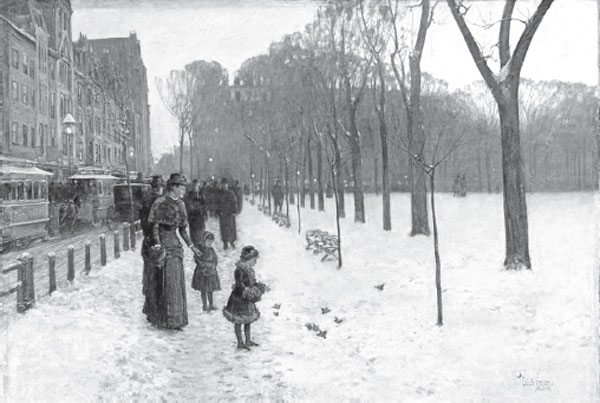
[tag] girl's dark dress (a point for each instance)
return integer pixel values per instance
(206, 278)
(239, 310)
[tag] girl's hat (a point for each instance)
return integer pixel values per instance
(206, 235)
(248, 253)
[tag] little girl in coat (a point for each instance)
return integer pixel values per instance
(206, 279)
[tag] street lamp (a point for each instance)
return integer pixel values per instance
(68, 125)
(129, 154)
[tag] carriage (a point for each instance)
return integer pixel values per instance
(23, 202)
(122, 201)
(93, 196)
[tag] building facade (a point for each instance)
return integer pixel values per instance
(46, 79)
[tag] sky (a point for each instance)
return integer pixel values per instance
(176, 32)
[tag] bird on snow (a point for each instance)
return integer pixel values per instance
(380, 286)
(338, 320)
(309, 326)
(325, 310)
(276, 313)
(276, 306)
(322, 333)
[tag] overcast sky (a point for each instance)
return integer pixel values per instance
(175, 32)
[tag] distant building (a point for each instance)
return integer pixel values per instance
(44, 77)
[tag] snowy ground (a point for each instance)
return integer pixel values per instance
(507, 336)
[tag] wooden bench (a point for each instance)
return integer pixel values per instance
(322, 242)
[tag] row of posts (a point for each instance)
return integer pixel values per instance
(25, 285)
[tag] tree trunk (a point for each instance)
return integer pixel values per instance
(311, 187)
(320, 178)
(418, 193)
(359, 196)
(387, 219)
(438, 263)
(515, 205)
(376, 171)
(181, 140)
(287, 191)
(339, 184)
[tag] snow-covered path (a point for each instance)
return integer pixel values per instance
(525, 336)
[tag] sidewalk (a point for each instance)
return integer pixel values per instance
(90, 341)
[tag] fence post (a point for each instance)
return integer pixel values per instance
(116, 248)
(26, 291)
(125, 237)
(88, 257)
(102, 250)
(132, 235)
(52, 272)
(71, 263)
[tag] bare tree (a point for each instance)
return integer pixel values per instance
(505, 89)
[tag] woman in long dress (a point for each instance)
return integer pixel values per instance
(168, 216)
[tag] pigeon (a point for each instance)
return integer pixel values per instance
(325, 310)
(338, 320)
(276, 313)
(309, 326)
(276, 306)
(380, 286)
(322, 333)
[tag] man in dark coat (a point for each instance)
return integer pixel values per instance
(277, 193)
(149, 278)
(227, 209)
(237, 190)
(196, 211)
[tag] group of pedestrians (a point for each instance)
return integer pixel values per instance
(166, 215)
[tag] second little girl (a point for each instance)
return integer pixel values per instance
(206, 279)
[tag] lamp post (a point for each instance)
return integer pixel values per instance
(129, 154)
(68, 125)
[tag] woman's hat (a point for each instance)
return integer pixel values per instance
(223, 181)
(248, 252)
(176, 179)
(157, 180)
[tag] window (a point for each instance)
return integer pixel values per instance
(15, 133)
(52, 67)
(53, 136)
(36, 190)
(41, 142)
(20, 191)
(31, 68)
(15, 58)
(24, 94)
(25, 130)
(28, 190)
(15, 91)
(25, 64)
(33, 138)
(52, 105)
(44, 190)
(33, 97)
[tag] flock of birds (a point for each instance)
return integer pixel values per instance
(324, 310)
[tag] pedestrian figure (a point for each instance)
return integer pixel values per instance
(212, 192)
(241, 308)
(329, 190)
(196, 211)
(168, 216)
(151, 270)
(277, 193)
(227, 209)
(456, 187)
(206, 279)
(237, 190)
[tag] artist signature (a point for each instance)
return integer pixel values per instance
(534, 382)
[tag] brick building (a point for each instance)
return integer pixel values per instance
(44, 77)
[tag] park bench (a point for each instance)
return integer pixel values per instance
(322, 242)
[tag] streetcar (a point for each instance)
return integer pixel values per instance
(23, 202)
(93, 196)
